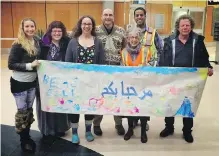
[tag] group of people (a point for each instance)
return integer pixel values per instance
(106, 44)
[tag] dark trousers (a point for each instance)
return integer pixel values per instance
(142, 119)
(74, 118)
(187, 123)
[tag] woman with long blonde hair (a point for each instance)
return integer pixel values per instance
(23, 61)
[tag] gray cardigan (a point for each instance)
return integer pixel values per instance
(72, 52)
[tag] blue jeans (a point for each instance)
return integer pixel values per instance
(25, 99)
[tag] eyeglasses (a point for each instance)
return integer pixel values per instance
(56, 31)
(88, 24)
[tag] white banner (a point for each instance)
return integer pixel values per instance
(118, 90)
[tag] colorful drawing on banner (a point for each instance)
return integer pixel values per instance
(116, 90)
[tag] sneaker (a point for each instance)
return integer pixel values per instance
(120, 129)
(188, 137)
(89, 136)
(75, 139)
(129, 134)
(166, 132)
(97, 130)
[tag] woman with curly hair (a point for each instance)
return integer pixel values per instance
(23, 61)
(54, 45)
(84, 47)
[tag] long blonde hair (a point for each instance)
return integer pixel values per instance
(23, 40)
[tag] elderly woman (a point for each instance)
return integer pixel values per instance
(53, 48)
(136, 55)
(84, 48)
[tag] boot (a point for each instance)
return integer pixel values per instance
(129, 134)
(97, 130)
(166, 132)
(188, 136)
(27, 144)
(144, 137)
(120, 129)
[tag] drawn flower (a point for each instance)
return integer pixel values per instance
(136, 110)
(47, 108)
(117, 110)
(61, 101)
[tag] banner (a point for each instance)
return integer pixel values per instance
(118, 90)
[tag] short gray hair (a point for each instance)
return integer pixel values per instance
(133, 30)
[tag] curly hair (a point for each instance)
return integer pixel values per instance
(55, 24)
(192, 22)
(77, 31)
(23, 40)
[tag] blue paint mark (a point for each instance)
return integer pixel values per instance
(92, 109)
(63, 93)
(77, 107)
(185, 109)
(149, 93)
(53, 82)
(69, 101)
(121, 69)
(45, 79)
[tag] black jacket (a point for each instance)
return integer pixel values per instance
(18, 57)
(200, 52)
(63, 47)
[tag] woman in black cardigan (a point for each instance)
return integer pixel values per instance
(23, 61)
(53, 48)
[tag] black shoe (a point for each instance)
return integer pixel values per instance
(144, 137)
(188, 137)
(129, 134)
(97, 130)
(60, 134)
(27, 144)
(120, 129)
(166, 132)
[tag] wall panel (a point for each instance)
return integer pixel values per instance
(208, 24)
(24, 10)
(121, 17)
(67, 13)
(166, 10)
(7, 25)
(92, 9)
